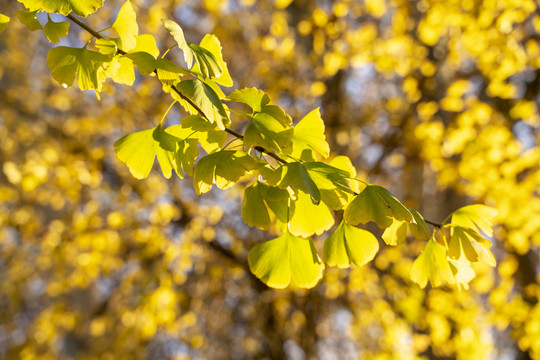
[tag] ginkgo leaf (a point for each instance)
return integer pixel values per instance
(120, 69)
(4, 21)
(146, 43)
(349, 244)
(475, 216)
(178, 35)
(264, 130)
(54, 31)
(306, 218)
(185, 151)
(80, 7)
(65, 63)
(206, 62)
(222, 168)
(146, 63)
(210, 136)
(465, 242)
(211, 43)
(28, 18)
(256, 99)
(399, 211)
(254, 210)
(286, 258)
(108, 46)
(206, 100)
(433, 265)
(367, 206)
(396, 233)
(419, 228)
(167, 71)
(126, 26)
(333, 183)
(463, 272)
(309, 134)
(295, 176)
(375, 203)
(137, 151)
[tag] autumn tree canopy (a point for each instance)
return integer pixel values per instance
(376, 160)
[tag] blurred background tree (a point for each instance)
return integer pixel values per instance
(436, 100)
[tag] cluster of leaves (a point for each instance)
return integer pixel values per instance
(291, 185)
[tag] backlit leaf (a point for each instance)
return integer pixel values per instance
(309, 134)
(349, 244)
(65, 63)
(210, 136)
(146, 43)
(137, 151)
(206, 62)
(178, 35)
(126, 26)
(211, 43)
(333, 183)
(253, 97)
(475, 216)
(80, 7)
(222, 168)
(306, 218)
(286, 258)
(396, 233)
(54, 31)
(206, 100)
(419, 228)
(28, 18)
(368, 206)
(432, 265)
(254, 210)
(295, 176)
(263, 130)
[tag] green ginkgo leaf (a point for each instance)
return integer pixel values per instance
(295, 176)
(286, 259)
(211, 43)
(206, 100)
(80, 7)
(396, 233)
(333, 183)
(176, 31)
(433, 265)
(349, 244)
(206, 62)
(254, 209)
(211, 138)
(146, 43)
(222, 168)
(139, 150)
(120, 69)
(306, 218)
(126, 26)
(264, 130)
(368, 206)
(475, 216)
(375, 203)
(65, 63)
(4, 21)
(419, 228)
(54, 31)
(256, 99)
(28, 18)
(309, 135)
(470, 244)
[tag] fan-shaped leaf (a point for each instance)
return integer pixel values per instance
(432, 265)
(223, 168)
(286, 258)
(264, 130)
(206, 100)
(126, 26)
(28, 18)
(306, 218)
(349, 244)
(64, 7)
(54, 31)
(178, 34)
(475, 216)
(309, 134)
